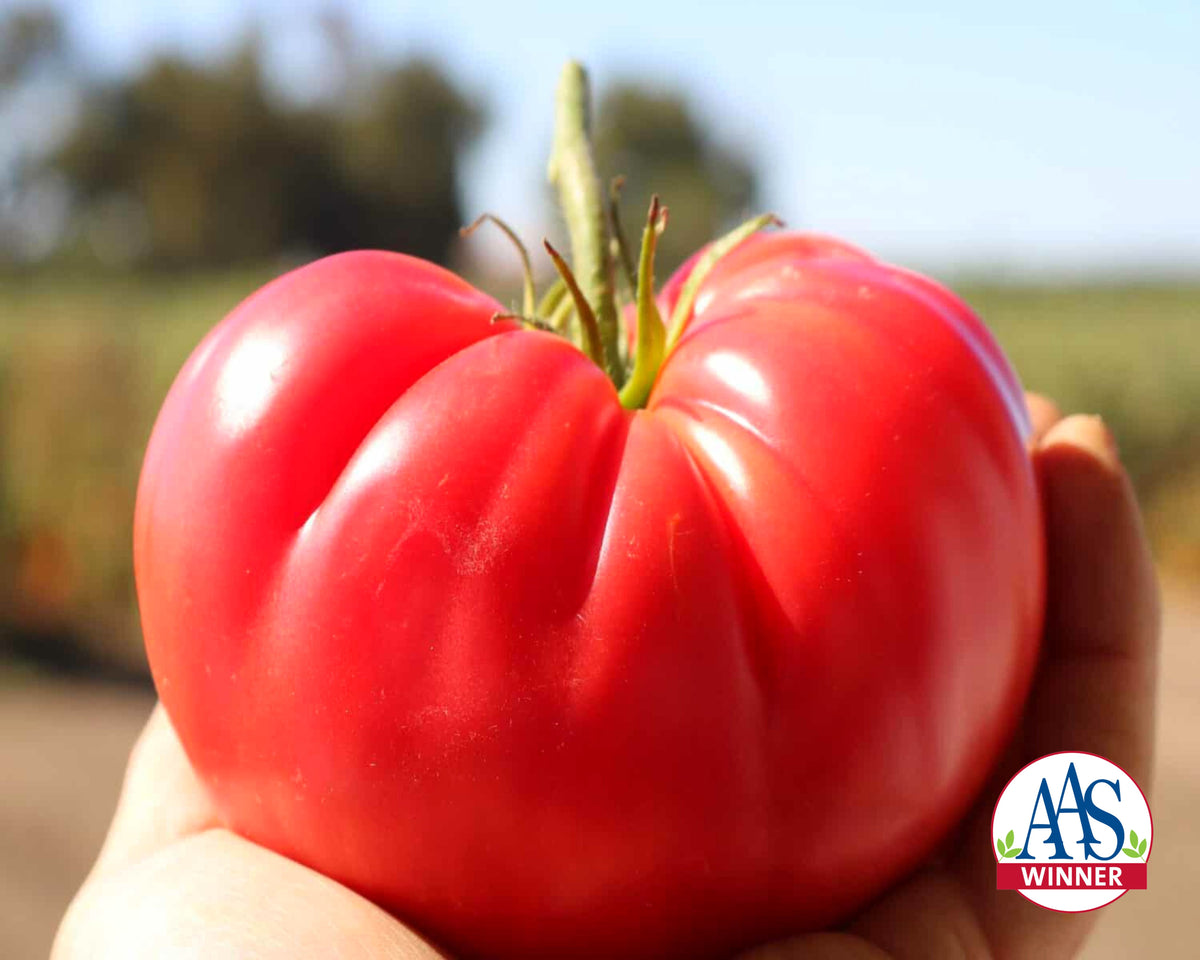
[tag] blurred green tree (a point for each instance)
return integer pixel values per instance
(400, 148)
(187, 163)
(29, 37)
(654, 139)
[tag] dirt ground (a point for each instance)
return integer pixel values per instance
(63, 747)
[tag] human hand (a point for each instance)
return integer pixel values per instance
(170, 883)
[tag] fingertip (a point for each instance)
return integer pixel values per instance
(162, 800)
(1098, 557)
(1043, 414)
(1087, 434)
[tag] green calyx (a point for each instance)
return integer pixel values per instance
(587, 292)
(651, 333)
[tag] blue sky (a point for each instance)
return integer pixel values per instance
(1023, 137)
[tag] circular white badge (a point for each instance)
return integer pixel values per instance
(1072, 832)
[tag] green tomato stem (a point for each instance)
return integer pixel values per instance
(651, 334)
(593, 343)
(560, 316)
(599, 249)
(573, 172)
(620, 246)
(526, 321)
(553, 296)
(527, 299)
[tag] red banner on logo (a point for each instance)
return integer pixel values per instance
(1049, 876)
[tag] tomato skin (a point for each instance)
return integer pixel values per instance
(544, 677)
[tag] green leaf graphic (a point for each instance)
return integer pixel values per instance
(1142, 847)
(1013, 852)
(1000, 847)
(1008, 840)
(1133, 838)
(1129, 853)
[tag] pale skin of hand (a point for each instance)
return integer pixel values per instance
(170, 883)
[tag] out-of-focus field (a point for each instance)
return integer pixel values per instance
(85, 363)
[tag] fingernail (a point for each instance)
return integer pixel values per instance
(1104, 442)
(1087, 432)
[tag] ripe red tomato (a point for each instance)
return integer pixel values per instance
(545, 677)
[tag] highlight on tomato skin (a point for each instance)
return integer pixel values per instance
(547, 667)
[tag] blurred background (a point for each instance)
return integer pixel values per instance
(158, 162)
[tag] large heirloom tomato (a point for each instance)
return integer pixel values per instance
(434, 614)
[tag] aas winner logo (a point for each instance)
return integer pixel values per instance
(1072, 832)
